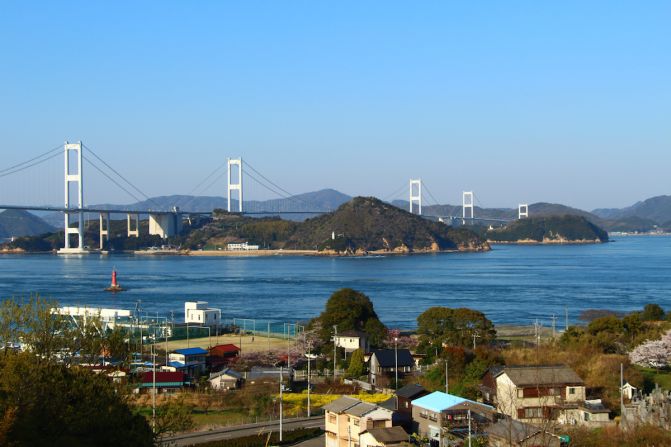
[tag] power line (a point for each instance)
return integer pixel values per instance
(32, 159)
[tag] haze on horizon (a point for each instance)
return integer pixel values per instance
(519, 101)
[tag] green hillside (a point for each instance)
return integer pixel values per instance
(549, 229)
(17, 223)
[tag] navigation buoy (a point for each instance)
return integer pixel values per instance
(114, 287)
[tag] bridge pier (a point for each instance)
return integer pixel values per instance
(522, 210)
(133, 218)
(467, 207)
(235, 184)
(416, 195)
(165, 225)
(104, 229)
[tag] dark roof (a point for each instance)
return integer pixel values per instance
(352, 333)
(360, 409)
(519, 430)
(387, 357)
(271, 372)
(226, 372)
(190, 351)
(341, 404)
(389, 434)
(163, 377)
(541, 375)
(389, 404)
(411, 391)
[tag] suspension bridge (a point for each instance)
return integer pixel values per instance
(164, 221)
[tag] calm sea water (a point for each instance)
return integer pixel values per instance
(511, 284)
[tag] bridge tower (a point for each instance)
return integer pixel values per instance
(416, 195)
(73, 175)
(522, 211)
(236, 185)
(467, 207)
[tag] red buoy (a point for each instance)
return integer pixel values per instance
(114, 287)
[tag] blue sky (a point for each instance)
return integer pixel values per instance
(519, 101)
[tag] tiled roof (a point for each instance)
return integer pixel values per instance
(226, 372)
(387, 358)
(542, 375)
(411, 390)
(389, 434)
(224, 349)
(341, 404)
(360, 409)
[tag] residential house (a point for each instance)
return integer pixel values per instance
(508, 432)
(268, 374)
(439, 413)
(384, 437)
(352, 340)
(226, 379)
(401, 404)
(540, 393)
(346, 419)
(165, 382)
(189, 360)
(383, 364)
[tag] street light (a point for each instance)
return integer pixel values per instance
(309, 357)
(396, 361)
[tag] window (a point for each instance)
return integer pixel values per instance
(332, 418)
(586, 416)
(355, 422)
(532, 413)
(423, 414)
(379, 424)
(571, 390)
(520, 393)
(407, 404)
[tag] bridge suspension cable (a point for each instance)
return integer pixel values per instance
(286, 195)
(32, 162)
(435, 201)
(396, 193)
(110, 178)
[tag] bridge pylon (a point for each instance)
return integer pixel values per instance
(522, 211)
(416, 195)
(73, 174)
(235, 185)
(467, 207)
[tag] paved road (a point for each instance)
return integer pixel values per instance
(238, 431)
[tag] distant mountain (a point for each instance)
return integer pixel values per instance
(655, 209)
(16, 223)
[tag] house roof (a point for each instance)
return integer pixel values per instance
(387, 357)
(518, 430)
(352, 333)
(439, 401)
(226, 372)
(594, 406)
(163, 377)
(410, 391)
(389, 404)
(258, 372)
(177, 365)
(341, 404)
(224, 349)
(190, 351)
(360, 409)
(541, 375)
(388, 434)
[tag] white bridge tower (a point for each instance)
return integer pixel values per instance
(73, 175)
(416, 195)
(467, 207)
(236, 185)
(522, 211)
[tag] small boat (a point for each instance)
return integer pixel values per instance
(114, 287)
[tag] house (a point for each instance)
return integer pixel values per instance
(401, 404)
(166, 382)
(189, 360)
(508, 432)
(346, 419)
(226, 379)
(268, 374)
(540, 393)
(438, 413)
(221, 355)
(383, 364)
(352, 340)
(198, 312)
(383, 437)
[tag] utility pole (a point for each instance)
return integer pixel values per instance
(566, 318)
(335, 335)
(469, 427)
(621, 389)
(446, 381)
(475, 335)
(537, 331)
(554, 322)
(281, 374)
(153, 391)
(309, 356)
(396, 362)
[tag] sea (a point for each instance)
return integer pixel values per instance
(511, 284)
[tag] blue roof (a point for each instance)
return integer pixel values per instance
(191, 351)
(439, 401)
(176, 364)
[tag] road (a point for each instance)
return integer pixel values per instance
(238, 431)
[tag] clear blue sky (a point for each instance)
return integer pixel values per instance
(520, 101)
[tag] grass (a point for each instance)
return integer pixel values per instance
(654, 376)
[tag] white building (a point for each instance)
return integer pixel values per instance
(107, 316)
(242, 247)
(198, 312)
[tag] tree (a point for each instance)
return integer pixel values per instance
(349, 309)
(356, 365)
(652, 312)
(47, 404)
(172, 417)
(457, 327)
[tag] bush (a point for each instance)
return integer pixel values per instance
(261, 440)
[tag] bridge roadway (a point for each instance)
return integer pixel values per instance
(238, 431)
(149, 211)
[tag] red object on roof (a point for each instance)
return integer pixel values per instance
(162, 377)
(223, 350)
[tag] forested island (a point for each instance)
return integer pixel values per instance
(568, 229)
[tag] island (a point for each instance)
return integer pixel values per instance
(567, 229)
